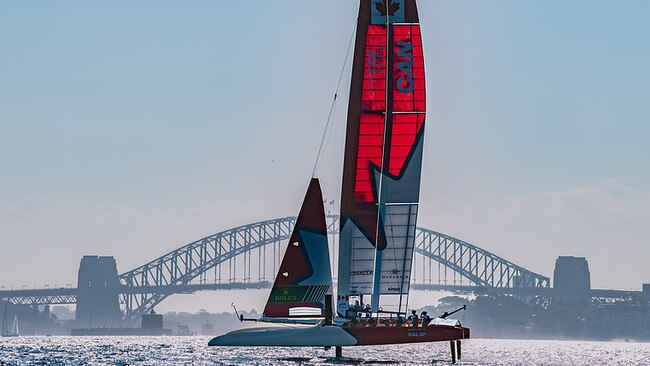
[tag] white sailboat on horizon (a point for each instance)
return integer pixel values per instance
(6, 332)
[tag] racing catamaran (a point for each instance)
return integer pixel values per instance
(379, 205)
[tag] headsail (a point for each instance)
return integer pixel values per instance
(5, 331)
(304, 277)
(383, 153)
(14, 326)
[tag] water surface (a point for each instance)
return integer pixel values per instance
(121, 351)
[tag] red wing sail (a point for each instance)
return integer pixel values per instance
(383, 152)
(304, 276)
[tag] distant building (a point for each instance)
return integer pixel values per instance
(184, 330)
(622, 319)
(152, 323)
(571, 279)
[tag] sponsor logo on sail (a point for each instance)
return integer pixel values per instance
(360, 273)
(287, 294)
(285, 298)
(376, 66)
(375, 60)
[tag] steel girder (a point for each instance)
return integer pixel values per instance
(46, 296)
(149, 284)
(42, 300)
(185, 264)
(478, 265)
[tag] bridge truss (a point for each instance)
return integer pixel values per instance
(249, 255)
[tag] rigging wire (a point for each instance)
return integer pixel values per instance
(332, 106)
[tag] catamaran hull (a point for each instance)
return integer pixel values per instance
(325, 336)
(315, 336)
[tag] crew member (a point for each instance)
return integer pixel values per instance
(354, 322)
(414, 318)
(399, 321)
(371, 322)
(426, 319)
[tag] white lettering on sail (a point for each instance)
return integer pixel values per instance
(405, 80)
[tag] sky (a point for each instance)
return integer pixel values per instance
(130, 129)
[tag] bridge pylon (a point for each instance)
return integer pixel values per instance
(98, 291)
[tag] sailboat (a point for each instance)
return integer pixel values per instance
(6, 332)
(379, 205)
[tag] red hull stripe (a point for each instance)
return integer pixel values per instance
(367, 336)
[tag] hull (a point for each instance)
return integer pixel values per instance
(295, 336)
(325, 336)
(368, 336)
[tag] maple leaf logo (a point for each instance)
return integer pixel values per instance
(392, 8)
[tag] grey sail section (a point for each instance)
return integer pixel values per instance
(359, 278)
(398, 212)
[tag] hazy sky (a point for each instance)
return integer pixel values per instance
(131, 128)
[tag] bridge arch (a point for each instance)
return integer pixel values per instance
(481, 267)
(185, 264)
(148, 285)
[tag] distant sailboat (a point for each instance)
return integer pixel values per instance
(6, 332)
(379, 205)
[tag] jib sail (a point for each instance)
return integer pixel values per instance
(304, 276)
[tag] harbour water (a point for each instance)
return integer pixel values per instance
(167, 350)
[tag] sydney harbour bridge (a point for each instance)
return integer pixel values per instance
(247, 257)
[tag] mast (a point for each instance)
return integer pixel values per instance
(383, 154)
